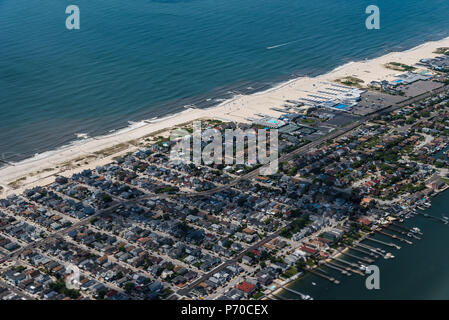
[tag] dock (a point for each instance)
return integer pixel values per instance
(375, 250)
(405, 228)
(354, 265)
(302, 295)
(393, 236)
(330, 265)
(278, 297)
(351, 264)
(367, 260)
(339, 265)
(389, 244)
(410, 234)
(331, 279)
(395, 230)
(434, 218)
(370, 253)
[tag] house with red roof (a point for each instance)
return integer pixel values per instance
(247, 288)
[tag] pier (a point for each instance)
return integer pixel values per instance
(339, 265)
(384, 255)
(331, 279)
(409, 234)
(351, 264)
(354, 265)
(343, 271)
(279, 297)
(370, 253)
(405, 228)
(303, 296)
(395, 230)
(378, 251)
(433, 217)
(323, 271)
(367, 260)
(394, 236)
(389, 244)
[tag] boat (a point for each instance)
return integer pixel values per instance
(313, 284)
(427, 204)
(388, 255)
(415, 230)
(445, 218)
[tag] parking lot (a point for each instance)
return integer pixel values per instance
(373, 101)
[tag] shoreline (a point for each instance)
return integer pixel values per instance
(94, 151)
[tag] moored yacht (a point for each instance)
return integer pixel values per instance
(416, 230)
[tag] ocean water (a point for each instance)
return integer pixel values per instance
(139, 59)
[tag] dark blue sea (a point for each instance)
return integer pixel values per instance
(139, 59)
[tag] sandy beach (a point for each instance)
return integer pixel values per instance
(41, 169)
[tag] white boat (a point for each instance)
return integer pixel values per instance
(388, 255)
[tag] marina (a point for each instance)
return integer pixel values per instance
(394, 281)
